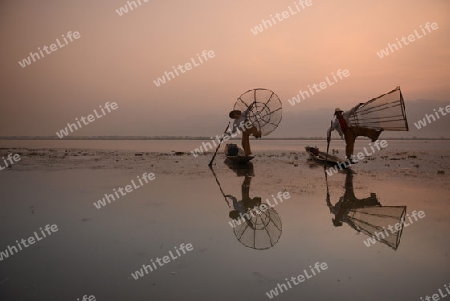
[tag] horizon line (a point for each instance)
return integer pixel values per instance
(137, 137)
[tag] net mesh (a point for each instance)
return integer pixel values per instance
(383, 112)
(263, 107)
(375, 220)
(261, 230)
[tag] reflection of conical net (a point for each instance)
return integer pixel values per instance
(372, 220)
(383, 112)
(261, 231)
(263, 109)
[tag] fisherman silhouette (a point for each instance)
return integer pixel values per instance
(246, 203)
(349, 201)
(350, 132)
(255, 224)
(240, 119)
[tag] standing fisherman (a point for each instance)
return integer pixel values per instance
(348, 132)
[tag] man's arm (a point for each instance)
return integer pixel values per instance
(233, 199)
(332, 128)
(228, 196)
(234, 128)
(238, 124)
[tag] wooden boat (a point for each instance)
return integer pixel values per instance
(321, 157)
(236, 154)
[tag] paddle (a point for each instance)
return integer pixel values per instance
(220, 142)
(324, 166)
(328, 145)
(328, 190)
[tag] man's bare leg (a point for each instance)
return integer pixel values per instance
(246, 143)
(350, 143)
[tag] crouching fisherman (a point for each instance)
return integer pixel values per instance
(241, 122)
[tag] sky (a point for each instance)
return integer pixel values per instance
(118, 58)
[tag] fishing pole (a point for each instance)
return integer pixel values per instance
(220, 142)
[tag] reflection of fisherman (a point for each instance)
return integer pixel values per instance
(349, 201)
(349, 132)
(241, 122)
(255, 224)
(246, 204)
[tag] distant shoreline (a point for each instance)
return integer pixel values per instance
(177, 138)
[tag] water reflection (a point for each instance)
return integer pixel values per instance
(255, 224)
(382, 223)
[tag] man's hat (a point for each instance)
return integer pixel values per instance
(234, 113)
(337, 110)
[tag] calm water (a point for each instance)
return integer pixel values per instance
(95, 251)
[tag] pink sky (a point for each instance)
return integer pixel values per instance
(118, 57)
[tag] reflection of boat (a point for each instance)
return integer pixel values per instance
(367, 215)
(322, 157)
(240, 169)
(236, 154)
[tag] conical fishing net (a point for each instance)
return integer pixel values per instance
(383, 112)
(372, 220)
(261, 230)
(262, 108)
